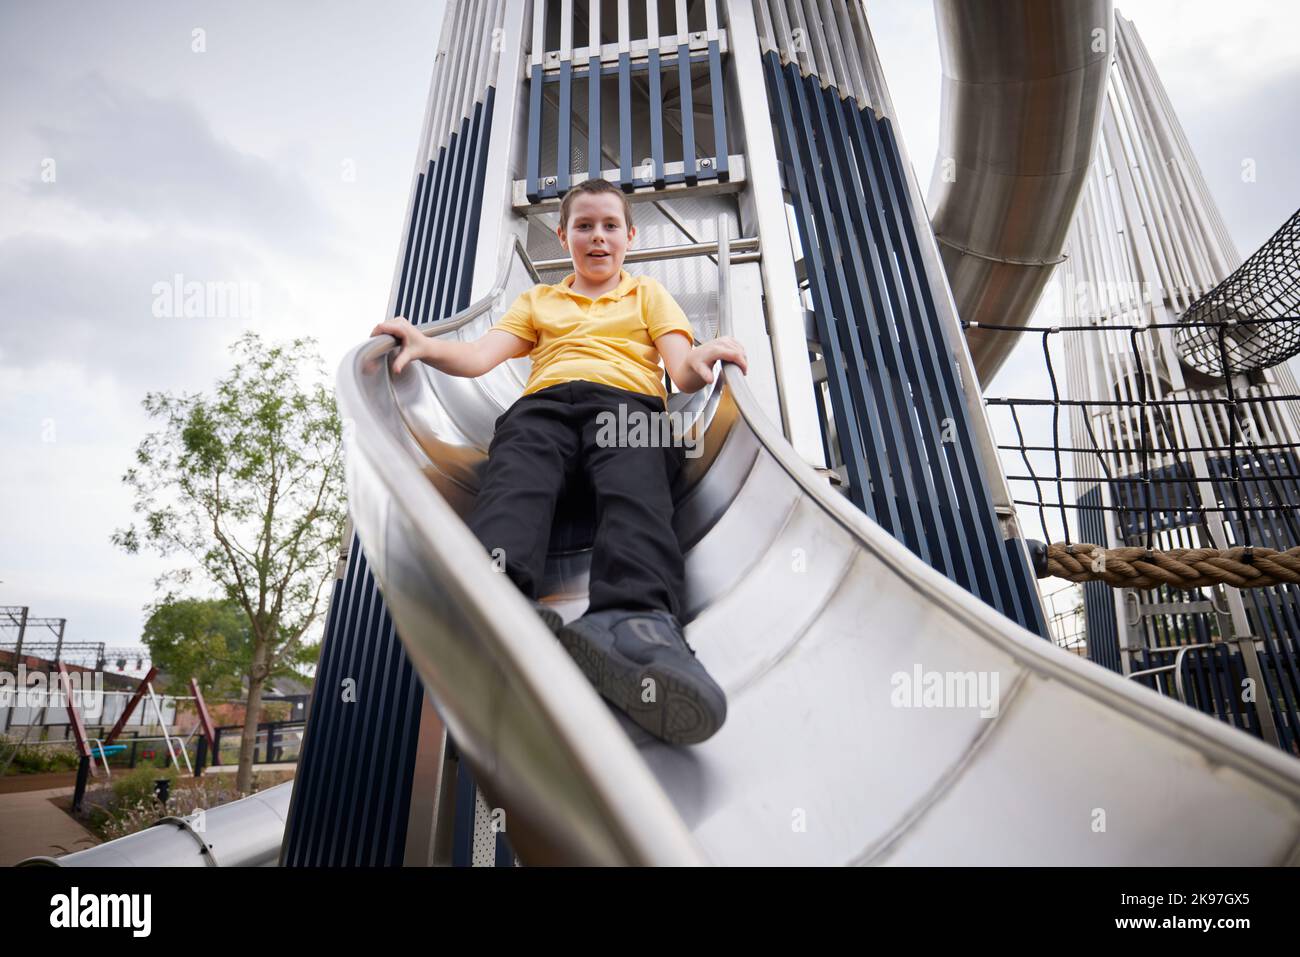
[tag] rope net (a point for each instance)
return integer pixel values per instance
(1150, 476)
(1236, 325)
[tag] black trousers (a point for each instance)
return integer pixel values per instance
(541, 443)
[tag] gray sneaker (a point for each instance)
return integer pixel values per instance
(640, 662)
(550, 617)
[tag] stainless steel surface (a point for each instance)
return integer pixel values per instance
(243, 833)
(1147, 242)
(805, 611)
(1024, 82)
(749, 243)
(808, 614)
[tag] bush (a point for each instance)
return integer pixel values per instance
(130, 806)
(37, 758)
(137, 786)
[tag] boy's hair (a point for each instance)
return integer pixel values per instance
(593, 186)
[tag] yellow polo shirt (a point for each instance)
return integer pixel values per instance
(609, 340)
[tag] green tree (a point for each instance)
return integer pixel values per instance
(248, 485)
(207, 639)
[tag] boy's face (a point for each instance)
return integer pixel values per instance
(597, 236)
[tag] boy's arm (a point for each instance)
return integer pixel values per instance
(467, 359)
(690, 366)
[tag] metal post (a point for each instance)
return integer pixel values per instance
(162, 723)
(18, 656)
(79, 792)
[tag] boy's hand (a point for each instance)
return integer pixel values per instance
(415, 344)
(701, 358)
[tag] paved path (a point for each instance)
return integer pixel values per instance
(31, 825)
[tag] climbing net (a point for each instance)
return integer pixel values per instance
(1157, 482)
(1242, 323)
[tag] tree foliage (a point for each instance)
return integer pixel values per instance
(247, 485)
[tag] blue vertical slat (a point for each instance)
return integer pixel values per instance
(722, 168)
(410, 238)
(462, 841)
(974, 494)
(564, 129)
(1098, 598)
(594, 77)
(656, 117)
(1277, 528)
(534, 162)
(1273, 618)
(851, 450)
(309, 774)
(505, 854)
(411, 295)
(475, 197)
(880, 323)
(690, 171)
(909, 349)
(899, 391)
(354, 726)
(421, 303)
(824, 196)
(625, 122)
(1027, 591)
(459, 257)
(447, 234)
(369, 631)
(326, 824)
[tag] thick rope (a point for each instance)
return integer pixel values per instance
(1180, 568)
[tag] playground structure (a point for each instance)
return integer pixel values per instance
(247, 832)
(848, 529)
(1171, 376)
(829, 452)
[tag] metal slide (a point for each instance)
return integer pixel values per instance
(1024, 86)
(827, 635)
(242, 833)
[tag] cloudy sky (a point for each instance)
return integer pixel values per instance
(279, 156)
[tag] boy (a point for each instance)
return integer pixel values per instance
(596, 339)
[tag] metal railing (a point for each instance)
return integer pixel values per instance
(1176, 667)
(556, 73)
(274, 743)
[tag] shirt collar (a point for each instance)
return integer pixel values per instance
(626, 283)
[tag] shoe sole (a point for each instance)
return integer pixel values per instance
(685, 714)
(550, 618)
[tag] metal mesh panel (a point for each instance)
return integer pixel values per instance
(1260, 304)
(485, 838)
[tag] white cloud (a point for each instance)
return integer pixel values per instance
(221, 168)
(132, 158)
